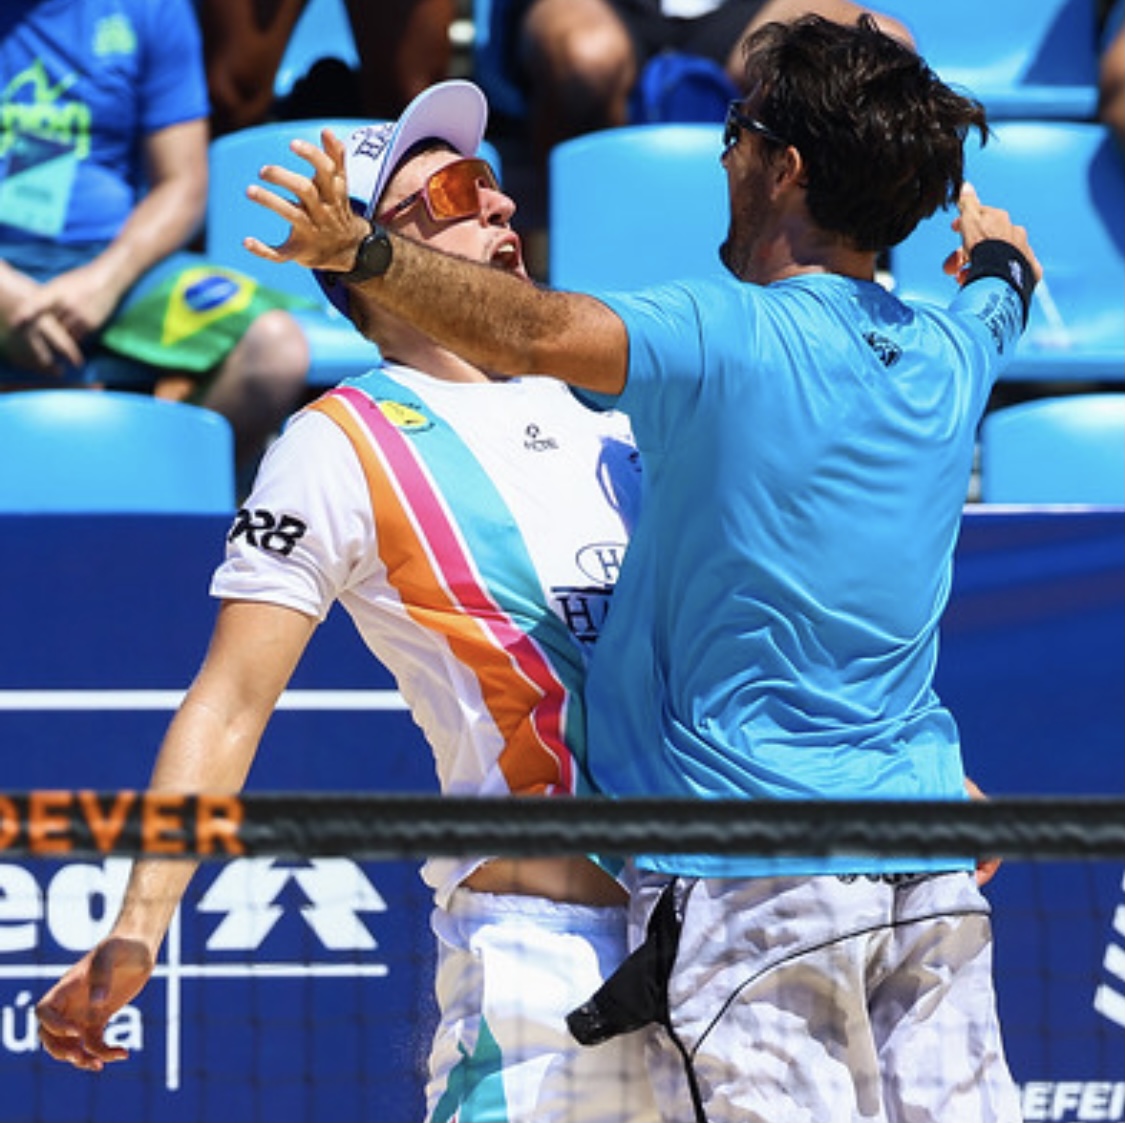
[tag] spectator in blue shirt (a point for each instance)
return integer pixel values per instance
(103, 180)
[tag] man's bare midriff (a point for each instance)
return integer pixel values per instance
(572, 880)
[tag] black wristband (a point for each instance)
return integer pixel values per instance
(993, 258)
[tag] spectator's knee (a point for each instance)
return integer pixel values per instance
(276, 346)
(596, 59)
(600, 54)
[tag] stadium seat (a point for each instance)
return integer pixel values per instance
(637, 205)
(107, 451)
(323, 31)
(1020, 59)
(336, 349)
(1064, 181)
(1066, 449)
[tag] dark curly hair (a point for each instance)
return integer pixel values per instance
(882, 137)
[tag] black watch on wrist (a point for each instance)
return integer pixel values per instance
(372, 258)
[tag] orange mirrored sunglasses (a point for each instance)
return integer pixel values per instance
(452, 192)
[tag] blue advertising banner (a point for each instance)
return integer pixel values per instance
(291, 991)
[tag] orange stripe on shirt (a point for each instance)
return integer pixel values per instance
(522, 694)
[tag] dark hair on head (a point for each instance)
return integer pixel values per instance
(881, 136)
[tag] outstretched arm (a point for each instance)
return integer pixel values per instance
(497, 321)
(500, 322)
(209, 747)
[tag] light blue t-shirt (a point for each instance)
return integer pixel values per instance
(81, 85)
(807, 449)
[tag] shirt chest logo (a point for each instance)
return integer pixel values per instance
(535, 441)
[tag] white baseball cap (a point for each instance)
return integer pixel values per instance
(454, 112)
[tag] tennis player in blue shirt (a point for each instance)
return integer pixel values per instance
(807, 440)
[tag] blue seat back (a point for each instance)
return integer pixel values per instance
(1022, 58)
(109, 451)
(1065, 182)
(322, 31)
(1067, 449)
(637, 205)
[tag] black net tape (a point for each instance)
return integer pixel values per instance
(319, 824)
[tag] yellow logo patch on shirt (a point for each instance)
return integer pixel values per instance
(404, 417)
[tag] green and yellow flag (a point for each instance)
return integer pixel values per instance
(187, 315)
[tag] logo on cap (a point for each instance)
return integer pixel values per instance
(373, 140)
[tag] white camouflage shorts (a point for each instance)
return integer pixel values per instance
(829, 1000)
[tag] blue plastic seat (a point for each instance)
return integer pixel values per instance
(108, 451)
(637, 205)
(322, 31)
(1068, 449)
(337, 350)
(1065, 182)
(1021, 58)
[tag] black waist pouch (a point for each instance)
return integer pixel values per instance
(636, 994)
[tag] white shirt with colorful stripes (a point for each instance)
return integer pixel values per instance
(474, 532)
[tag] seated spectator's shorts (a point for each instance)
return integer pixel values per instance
(182, 317)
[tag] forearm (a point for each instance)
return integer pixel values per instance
(997, 288)
(203, 751)
(162, 223)
(501, 322)
(496, 320)
(208, 747)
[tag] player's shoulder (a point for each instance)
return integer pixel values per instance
(312, 442)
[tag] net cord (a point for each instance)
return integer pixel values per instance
(386, 826)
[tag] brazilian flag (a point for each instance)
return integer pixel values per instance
(187, 314)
